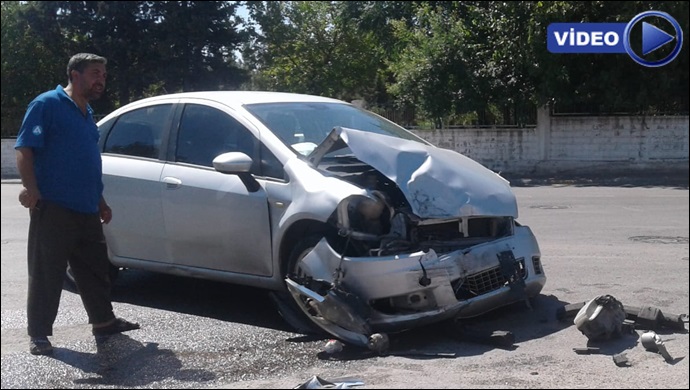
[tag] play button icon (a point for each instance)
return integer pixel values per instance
(653, 38)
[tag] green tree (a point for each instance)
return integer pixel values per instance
(311, 47)
(488, 61)
(152, 47)
(434, 68)
(379, 19)
(595, 83)
(484, 62)
(503, 63)
(29, 66)
(163, 46)
(195, 45)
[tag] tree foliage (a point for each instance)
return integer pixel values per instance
(608, 83)
(312, 47)
(480, 62)
(152, 47)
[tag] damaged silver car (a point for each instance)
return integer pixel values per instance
(358, 225)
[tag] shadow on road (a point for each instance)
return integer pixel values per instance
(524, 322)
(227, 302)
(205, 298)
(453, 339)
(252, 306)
(124, 362)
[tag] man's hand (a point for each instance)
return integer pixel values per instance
(29, 198)
(105, 212)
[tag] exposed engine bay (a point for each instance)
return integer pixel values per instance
(383, 223)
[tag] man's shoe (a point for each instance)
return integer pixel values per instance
(40, 346)
(117, 326)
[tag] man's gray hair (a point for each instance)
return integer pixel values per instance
(80, 61)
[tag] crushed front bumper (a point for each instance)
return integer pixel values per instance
(391, 293)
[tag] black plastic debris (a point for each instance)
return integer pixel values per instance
(586, 351)
(422, 354)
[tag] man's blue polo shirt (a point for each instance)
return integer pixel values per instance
(67, 162)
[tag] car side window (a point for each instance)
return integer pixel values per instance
(138, 133)
(206, 132)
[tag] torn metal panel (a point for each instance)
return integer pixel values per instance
(383, 276)
(337, 314)
(438, 183)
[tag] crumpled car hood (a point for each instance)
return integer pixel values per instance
(438, 183)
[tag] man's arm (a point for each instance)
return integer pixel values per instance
(30, 195)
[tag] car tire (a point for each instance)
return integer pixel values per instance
(292, 315)
(287, 307)
(300, 250)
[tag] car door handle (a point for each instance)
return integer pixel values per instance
(172, 183)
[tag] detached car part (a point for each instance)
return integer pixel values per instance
(601, 318)
(645, 317)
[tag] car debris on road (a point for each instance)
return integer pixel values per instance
(645, 317)
(604, 318)
(653, 343)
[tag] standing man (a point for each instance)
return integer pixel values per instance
(60, 166)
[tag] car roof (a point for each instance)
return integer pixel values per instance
(240, 98)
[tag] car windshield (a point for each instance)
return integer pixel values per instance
(304, 125)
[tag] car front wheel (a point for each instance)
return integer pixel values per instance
(287, 306)
(324, 304)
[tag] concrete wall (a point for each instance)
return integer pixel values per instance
(575, 144)
(498, 149)
(9, 161)
(608, 144)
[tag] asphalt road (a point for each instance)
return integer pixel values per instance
(627, 241)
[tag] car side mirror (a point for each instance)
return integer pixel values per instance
(237, 163)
